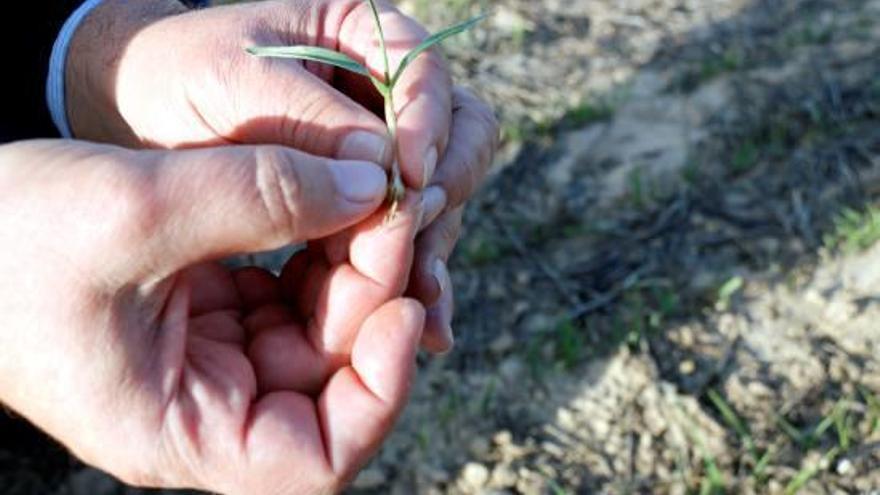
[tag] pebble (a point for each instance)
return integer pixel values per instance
(844, 467)
(502, 343)
(511, 368)
(503, 476)
(479, 447)
(687, 367)
(475, 475)
(372, 477)
(503, 438)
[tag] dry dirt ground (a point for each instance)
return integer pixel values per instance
(671, 281)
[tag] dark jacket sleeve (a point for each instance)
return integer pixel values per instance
(29, 29)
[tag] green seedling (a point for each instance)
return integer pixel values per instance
(385, 85)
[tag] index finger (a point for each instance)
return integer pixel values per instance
(422, 96)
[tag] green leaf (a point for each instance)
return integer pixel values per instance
(313, 53)
(432, 40)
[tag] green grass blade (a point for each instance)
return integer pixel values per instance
(791, 430)
(432, 40)
(873, 408)
(312, 53)
(732, 420)
(806, 474)
(381, 32)
(760, 468)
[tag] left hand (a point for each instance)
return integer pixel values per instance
(154, 74)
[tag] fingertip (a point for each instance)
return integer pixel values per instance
(366, 146)
(384, 353)
(361, 184)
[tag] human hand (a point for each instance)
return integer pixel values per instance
(122, 341)
(474, 138)
(210, 91)
(153, 74)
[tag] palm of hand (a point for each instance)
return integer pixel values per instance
(287, 384)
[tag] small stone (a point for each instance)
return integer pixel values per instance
(844, 467)
(372, 477)
(539, 323)
(503, 477)
(511, 368)
(686, 337)
(496, 291)
(475, 475)
(600, 427)
(479, 447)
(435, 474)
(687, 367)
(503, 438)
(502, 343)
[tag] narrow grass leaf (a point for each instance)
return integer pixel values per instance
(761, 466)
(432, 40)
(873, 408)
(732, 420)
(796, 435)
(807, 473)
(312, 53)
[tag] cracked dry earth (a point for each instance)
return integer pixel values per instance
(655, 289)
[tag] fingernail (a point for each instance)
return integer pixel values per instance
(429, 166)
(363, 145)
(433, 202)
(359, 182)
(440, 274)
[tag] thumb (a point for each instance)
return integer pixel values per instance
(212, 203)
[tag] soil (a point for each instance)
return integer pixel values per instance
(658, 290)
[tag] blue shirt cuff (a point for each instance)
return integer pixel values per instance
(55, 84)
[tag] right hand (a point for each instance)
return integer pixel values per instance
(121, 339)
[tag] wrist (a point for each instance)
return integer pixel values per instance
(93, 59)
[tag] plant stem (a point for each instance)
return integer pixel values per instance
(396, 189)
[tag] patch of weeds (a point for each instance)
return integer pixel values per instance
(807, 473)
(744, 157)
(711, 66)
(713, 483)
(556, 488)
(691, 172)
(488, 398)
(813, 33)
(854, 230)
(635, 317)
(535, 360)
(637, 195)
(668, 300)
(873, 414)
(761, 461)
(588, 112)
(875, 89)
(514, 133)
(570, 344)
(730, 60)
(727, 291)
(479, 251)
(450, 408)
(423, 439)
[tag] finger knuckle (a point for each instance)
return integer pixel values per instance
(279, 188)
